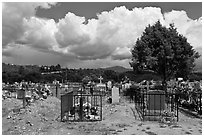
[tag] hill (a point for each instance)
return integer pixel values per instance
(118, 69)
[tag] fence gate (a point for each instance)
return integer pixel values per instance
(81, 107)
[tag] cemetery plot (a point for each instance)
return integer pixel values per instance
(81, 107)
(155, 104)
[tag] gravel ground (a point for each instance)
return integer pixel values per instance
(43, 118)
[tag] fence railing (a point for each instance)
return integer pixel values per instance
(81, 107)
(153, 105)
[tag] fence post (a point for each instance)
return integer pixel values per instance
(81, 109)
(24, 99)
(56, 89)
(177, 105)
(101, 106)
(200, 105)
(143, 106)
(61, 108)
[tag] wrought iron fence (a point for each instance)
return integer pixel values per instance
(81, 107)
(155, 104)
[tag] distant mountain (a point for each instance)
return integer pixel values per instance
(118, 69)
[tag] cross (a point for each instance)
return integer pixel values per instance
(100, 79)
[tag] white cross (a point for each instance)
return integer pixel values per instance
(100, 79)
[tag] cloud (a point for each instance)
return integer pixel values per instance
(108, 38)
(191, 29)
(99, 38)
(39, 33)
(13, 15)
(121, 53)
(71, 30)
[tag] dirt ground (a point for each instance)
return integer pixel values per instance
(43, 118)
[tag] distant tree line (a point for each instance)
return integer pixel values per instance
(17, 73)
(34, 73)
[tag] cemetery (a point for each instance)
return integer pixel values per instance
(77, 102)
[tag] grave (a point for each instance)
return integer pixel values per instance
(127, 85)
(20, 94)
(81, 107)
(109, 84)
(115, 94)
(155, 100)
(100, 86)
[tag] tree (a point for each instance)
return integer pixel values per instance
(110, 75)
(164, 51)
(86, 79)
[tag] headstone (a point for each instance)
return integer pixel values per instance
(20, 94)
(156, 100)
(127, 85)
(100, 79)
(115, 95)
(13, 94)
(109, 84)
(28, 94)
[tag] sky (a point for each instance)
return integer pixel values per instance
(89, 35)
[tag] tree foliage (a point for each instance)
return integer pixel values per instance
(164, 51)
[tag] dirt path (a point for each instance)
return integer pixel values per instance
(42, 117)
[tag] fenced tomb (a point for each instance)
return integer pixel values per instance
(154, 104)
(81, 107)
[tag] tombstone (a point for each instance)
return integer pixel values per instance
(20, 94)
(13, 95)
(100, 86)
(28, 94)
(101, 78)
(109, 84)
(123, 87)
(115, 95)
(156, 100)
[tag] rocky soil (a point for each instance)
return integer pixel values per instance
(42, 117)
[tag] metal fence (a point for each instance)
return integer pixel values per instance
(155, 104)
(81, 107)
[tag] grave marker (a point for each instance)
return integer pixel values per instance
(20, 94)
(115, 95)
(156, 100)
(109, 84)
(101, 78)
